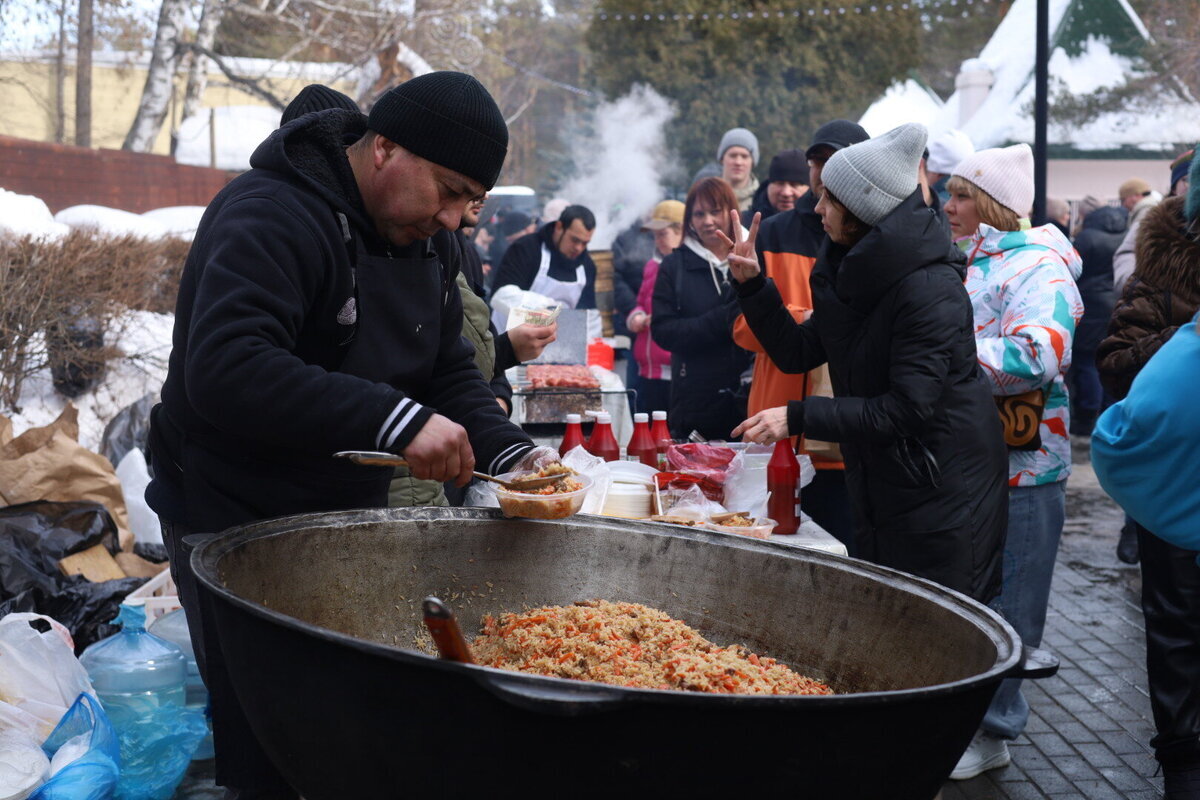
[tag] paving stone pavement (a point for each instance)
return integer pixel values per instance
(1090, 726)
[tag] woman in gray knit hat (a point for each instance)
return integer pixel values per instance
(925, 461)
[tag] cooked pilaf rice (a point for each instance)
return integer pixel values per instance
(629, 645)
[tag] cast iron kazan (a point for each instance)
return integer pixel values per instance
(319, 615)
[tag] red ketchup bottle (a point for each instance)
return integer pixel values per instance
(661, 435)
(574, 435)
(783, 473)
(641, 444)
(603, 443)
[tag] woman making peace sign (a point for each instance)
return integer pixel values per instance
(925, 459)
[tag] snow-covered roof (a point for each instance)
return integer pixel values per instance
(1095, 45)
(314, 71)
(239, 130)
(903, 102)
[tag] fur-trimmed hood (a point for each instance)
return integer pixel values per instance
(1168, 253)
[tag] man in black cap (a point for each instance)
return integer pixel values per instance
(787, 246)
(318, 312)
(787, 182)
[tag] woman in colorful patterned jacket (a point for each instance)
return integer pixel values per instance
(1022, 286)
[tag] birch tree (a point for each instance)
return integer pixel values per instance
(160, 78)
(206, 32)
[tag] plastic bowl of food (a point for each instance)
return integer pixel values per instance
(743, 526)
(548, 503)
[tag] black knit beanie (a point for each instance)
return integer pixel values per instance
(447, 118)
(316, 97)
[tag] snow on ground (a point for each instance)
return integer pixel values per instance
(145, 339)
(179, 221)
(239, 130)
(26, 215)
(112, 221)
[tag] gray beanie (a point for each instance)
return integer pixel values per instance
(739, 137)
(873, 178)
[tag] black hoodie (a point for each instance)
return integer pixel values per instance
(925, 460)
(1103, 231)
(254, 403)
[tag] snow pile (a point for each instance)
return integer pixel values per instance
(177, 221)
(902, 103)
(145, 339)
(26, 215)
(239, 130)
(110, 221)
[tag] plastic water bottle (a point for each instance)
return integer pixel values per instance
(135, 672)
(173, 627)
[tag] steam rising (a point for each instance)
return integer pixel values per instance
(620, 167)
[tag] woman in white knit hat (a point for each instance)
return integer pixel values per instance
(925, 463)
(1022, 286)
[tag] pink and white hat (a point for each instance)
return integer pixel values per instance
(1006, 173)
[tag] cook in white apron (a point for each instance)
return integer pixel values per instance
(567, 293)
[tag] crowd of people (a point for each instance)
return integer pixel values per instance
(883, 303)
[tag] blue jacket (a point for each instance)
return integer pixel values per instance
(1144, 448)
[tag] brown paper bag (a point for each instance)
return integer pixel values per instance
(820, 385)
(49, 464)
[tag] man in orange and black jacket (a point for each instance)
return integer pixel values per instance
(787, 246)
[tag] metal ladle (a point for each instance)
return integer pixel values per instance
(380, 459)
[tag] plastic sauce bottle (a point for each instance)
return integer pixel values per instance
(783, 473)
(573, 436)
(641, 444)
(603, 443)
(661, 435)
(173, 627)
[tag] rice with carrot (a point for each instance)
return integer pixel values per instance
(628, 644)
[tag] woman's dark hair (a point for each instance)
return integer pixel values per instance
(715, 192)
(853, 228)
(581, 213)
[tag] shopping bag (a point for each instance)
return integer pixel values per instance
(820, 385)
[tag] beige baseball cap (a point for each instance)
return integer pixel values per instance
(665, 214)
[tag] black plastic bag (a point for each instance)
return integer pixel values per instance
(128, 429)
(34, 537)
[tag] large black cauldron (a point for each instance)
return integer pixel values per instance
(319, 617)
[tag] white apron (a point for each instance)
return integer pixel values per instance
(567, 293)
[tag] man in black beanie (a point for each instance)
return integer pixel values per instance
(787, 182)
(318, 311)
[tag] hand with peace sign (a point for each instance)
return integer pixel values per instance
(743, 261)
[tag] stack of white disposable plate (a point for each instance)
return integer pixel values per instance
(629, 500)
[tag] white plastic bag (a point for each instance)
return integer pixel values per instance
(134, 477)
(23, 765)
(595, 468)
(39, 674)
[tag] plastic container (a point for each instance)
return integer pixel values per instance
(641, 444)
(783, 478)
(761, 529)
(602, 442)
(573, 437)
(661, 435)
(541, 506)
(135, 671)
(157, 596)
(173, 627)
(600, 354)
(629, 501)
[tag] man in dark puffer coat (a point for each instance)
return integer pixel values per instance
(1103, 231)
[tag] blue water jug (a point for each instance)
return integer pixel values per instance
(141, 680)
(173, 626)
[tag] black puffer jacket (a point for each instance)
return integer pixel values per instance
(925, 460)
(632, 248)
(694, 309)
(1103, 231)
